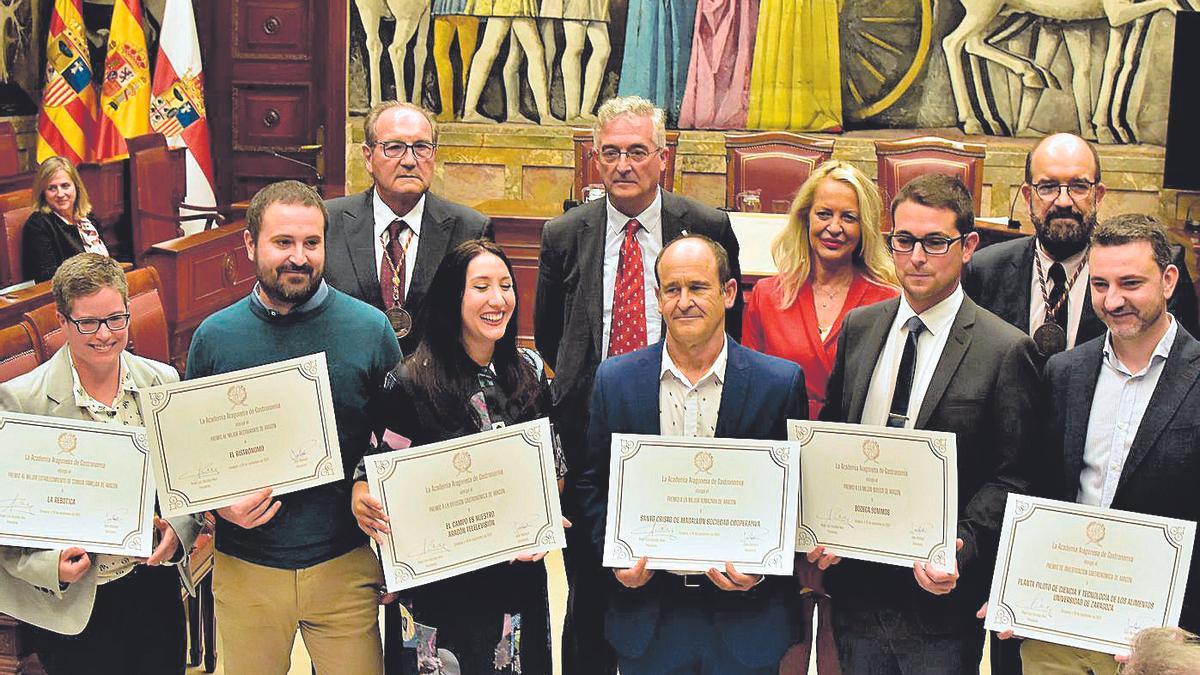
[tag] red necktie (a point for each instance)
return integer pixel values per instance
(391, 272)
(628, 329)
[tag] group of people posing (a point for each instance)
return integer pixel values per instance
(641, 320)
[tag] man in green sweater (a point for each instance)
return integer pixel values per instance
(299, 560)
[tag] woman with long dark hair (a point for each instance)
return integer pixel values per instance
(468, 375)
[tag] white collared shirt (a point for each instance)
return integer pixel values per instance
(650, 238)
(1118, 404)
(686, 408)
(409, 240)
(1076, 295)
(938, 320)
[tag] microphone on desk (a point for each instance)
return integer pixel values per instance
(313, 167)
(1013, 223)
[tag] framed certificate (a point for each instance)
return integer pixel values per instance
(1087, 577)
(217, 439)
(467, 503)
(72, 483)
(691, 504)
(877, 493)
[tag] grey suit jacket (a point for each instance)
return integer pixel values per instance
(569, 311)
(350, 264)
(984, 390)
(1162, 469)
(29, 587)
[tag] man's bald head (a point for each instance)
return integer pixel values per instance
(1059, 148)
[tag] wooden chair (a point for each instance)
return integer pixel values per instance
(12, 224)
(157, 178)
(776, 163)
(18, 355)
(10, 159)
(903, 160)
(48, 335)
(148, 334)
(587, 174)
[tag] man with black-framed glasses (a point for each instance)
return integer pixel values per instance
(384, 244)
(1039, 283)
(932, 359)
(97, 613)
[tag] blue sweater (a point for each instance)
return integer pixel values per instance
(313, 525)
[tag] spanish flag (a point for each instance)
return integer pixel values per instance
(67, 123)
(125, 91)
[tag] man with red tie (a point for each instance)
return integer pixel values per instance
(595, 299)
(384, 244)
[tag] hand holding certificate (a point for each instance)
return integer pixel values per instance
(1087, 577)
(67, 483)
(218, 439)
(878, 493)
(466, 503)
(698, 503)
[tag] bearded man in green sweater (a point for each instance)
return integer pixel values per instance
(298, 561)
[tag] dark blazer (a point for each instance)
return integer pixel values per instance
(46, 241)
(760, 394)
(350, 264)
(984, 390)
(998, 278)
(1163, 467)
(569, 311)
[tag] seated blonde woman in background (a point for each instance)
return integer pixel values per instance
(60, 226)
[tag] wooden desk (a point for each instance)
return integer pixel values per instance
(996, 230)
(201, 273)
(13, 305)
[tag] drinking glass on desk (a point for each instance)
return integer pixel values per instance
(749, 201)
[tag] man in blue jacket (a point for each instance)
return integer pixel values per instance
(697, 382)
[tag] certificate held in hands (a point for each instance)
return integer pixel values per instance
(691, 504)
(1087, 577)
(217, 439)
(877, 493)
(464, 504)
(73, 483)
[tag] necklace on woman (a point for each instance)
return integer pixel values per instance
(826, 298)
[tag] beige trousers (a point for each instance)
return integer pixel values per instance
(1047, 658)
(334, 604)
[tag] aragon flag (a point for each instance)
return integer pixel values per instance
(67, 121)
(125, 90)
(177, 104)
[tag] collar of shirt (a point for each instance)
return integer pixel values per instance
(308, 305)
(716, 371)
(384, 215)
(84, 400)
(937, 318)
(1161, 350)
(650, 219)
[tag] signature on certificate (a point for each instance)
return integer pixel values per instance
(204, 471)
(663, 532)
(16, 506)
(432, 545)
(836, 516)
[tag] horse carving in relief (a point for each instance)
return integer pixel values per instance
(976, 37)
